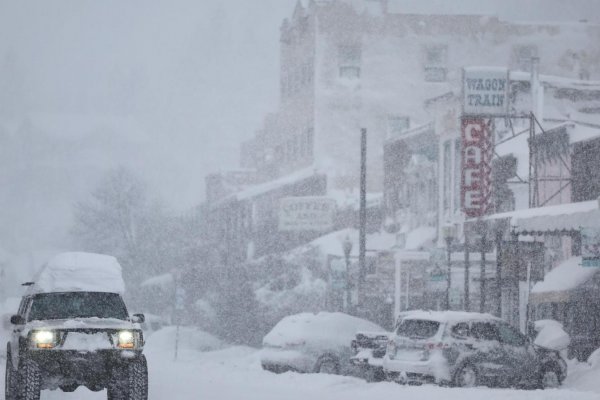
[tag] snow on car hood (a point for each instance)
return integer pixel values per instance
(322, 330)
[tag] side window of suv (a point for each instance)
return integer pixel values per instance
(485, 331)
(460, 330)
(510, 336)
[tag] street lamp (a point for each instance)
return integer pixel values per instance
(449, 233)
(347, 246)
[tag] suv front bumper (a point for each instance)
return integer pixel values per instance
(95, 368)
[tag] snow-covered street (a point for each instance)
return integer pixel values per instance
(235, 372)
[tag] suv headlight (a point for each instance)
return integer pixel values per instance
(43, 339)
(127, 339)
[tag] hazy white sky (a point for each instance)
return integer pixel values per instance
(198, 75)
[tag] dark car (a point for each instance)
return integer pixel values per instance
(469, 349)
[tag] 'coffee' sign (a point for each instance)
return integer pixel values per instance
(306, 213)
(485, 91)
(476, 172)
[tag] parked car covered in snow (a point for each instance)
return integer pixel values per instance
(469, 349)
(73, 329)
(309, 342)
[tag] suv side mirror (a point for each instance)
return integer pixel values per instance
(138, 318)
(17, 320)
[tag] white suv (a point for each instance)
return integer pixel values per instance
(468, 349)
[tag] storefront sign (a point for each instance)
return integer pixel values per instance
(590, 247)
(485, 91)
(306, 214)
(476, 171)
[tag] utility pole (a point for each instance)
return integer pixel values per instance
(482, 273)
(362, 240)
(467, 305)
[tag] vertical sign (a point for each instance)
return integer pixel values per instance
(476, 172)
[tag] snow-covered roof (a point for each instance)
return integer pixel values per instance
(569, 216)
(257, 190)
(324, 329)
(78, 271)
(568, 275)
(332, 243)
(351, 199)
(446, 316)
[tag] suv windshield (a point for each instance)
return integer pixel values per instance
(77, 305)
(417, 328)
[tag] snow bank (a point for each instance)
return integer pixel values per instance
(325, 330)
(79, 271)
(551, 335)
(309, 292)
(566, 276)
(189, 339)
(584, 376)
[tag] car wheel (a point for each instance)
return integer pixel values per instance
(549, 379)
(30, 382)
(133, 384)
(10, 379)
(328, 365)
(466, 376)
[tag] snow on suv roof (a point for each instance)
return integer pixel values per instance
(447, 316)
(78, 271)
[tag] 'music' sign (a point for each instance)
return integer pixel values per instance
(476, 172)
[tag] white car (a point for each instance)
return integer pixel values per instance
(313, 343)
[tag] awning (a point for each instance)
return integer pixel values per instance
(551, 219)
(559, 283)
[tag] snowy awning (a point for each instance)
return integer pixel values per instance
(550, 219)
(557, 283)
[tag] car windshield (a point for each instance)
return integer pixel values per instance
(417, 328)
(77, 305)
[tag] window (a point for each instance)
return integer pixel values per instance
(510, 336)
(522, 56)
(417, 328)
(436, 59)
(397, 125)
(484, 331)
(349, 59)
(460, 330)
(77, 305)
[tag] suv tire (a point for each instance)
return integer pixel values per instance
(134, 382)
(29, 384)
(466, 376)
(328, 365)
(11, 379)
(549, 377)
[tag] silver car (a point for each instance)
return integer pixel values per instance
(468, 349)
